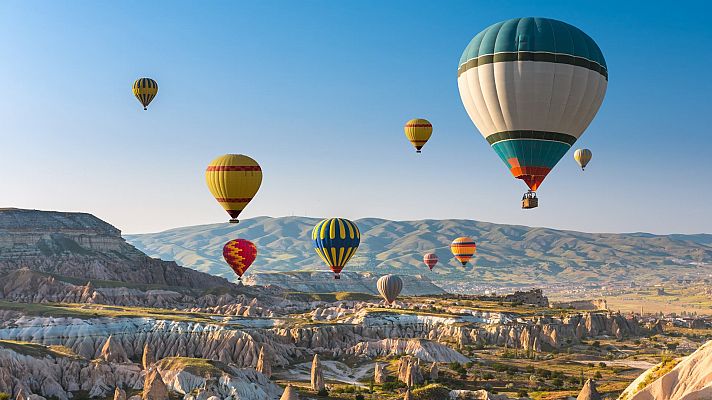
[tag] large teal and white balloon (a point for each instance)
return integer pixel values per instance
(532, 86)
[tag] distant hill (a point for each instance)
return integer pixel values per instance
(505, 253)
(80, 247)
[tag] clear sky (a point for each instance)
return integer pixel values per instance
(317, 92)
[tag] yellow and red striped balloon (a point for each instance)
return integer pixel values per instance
(239, 255)
(463, 248)
(418, 132)
(233, 179)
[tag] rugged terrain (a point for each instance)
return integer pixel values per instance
(506, 254)
(84, 314)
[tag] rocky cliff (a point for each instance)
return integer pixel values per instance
(689, 378)
(81, 246)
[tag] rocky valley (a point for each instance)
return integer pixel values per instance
(84, 314)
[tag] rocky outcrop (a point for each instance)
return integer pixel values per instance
(290, 393)
(153, 387)
(263, 363)
(199, 379)
(82, 246)
(589, 392)
(54, 375)
(147, 358)
(119, 394)
(476, 395)
(112, 351)
(423, 349)
(434, 372)
(409, 371)
(689, 378)
(380, 374)
(408, 395)
(317, 375)
(583, 305)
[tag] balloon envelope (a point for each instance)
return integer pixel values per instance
(583, 157)
(233, 179)
(145, 89)
(389, 286)
(463, 248)
(335, 241)
(418, 132)
(532, 86)
(239, 255)
(430, 259)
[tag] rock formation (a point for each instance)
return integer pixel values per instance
(147, 357)
(589, 392)
(409, 371)
(434, 373)
(263, 363)
(289, 394)
(380, 374)
(119, 394)
(317, 375)
(82, 246)
(112, 351)
(153, 387)
(689, 378)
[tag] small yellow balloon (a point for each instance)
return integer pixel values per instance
(418, 132)
(145, 89)
(582, 157)
(233, 179)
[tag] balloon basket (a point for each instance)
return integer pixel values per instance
(530, 200)
(337, 276)
(234, 221)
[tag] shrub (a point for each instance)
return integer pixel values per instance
(4, 396)
(522, 393)
(558, 382)
(323, 392)
(359, 397)
(598, 375)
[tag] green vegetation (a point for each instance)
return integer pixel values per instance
(37, 350)
(86, 311)
(195, 366)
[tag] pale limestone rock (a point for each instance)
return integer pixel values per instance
(289, 394)
(380, 374)
(119, 394)
(434, 372)
(589, 392)
(147, 357)
(317, 375)
(113, 351)
(264, 363)
(154, 388)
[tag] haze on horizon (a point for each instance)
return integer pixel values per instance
(317, 92)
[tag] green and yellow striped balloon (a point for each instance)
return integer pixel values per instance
(145, 89)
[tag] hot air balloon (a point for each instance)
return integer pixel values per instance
(430, 259)
(389, 286)
(582, 157)
(463, 248)
(233, 179)
(418, 131)
(532, 86)
(145, 89)
(336, 241)
(239, 255)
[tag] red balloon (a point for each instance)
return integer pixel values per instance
(430, 260)
(239, 254)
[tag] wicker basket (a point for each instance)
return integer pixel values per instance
(532, 202)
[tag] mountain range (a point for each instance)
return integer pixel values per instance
(506, 254)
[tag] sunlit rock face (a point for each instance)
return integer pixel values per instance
(82, 246)
(689, 379)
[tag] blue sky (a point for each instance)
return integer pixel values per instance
(317, 92)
